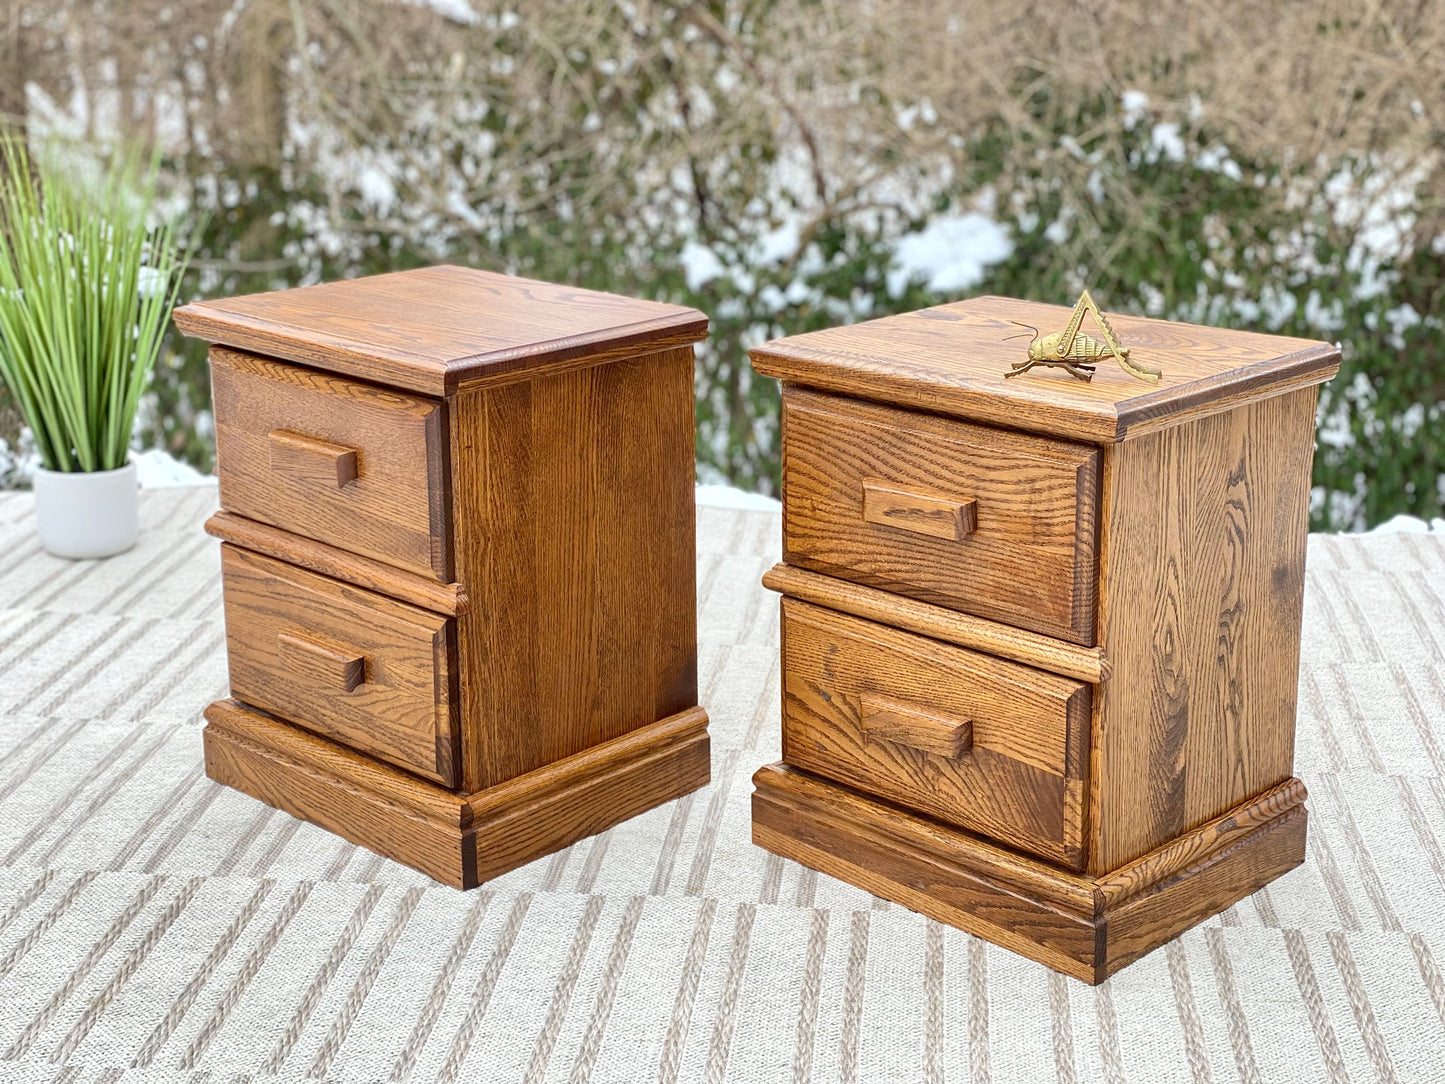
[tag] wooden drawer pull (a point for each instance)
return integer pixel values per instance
(922, 513)
(320, 662)
(916, 728)
(312, 460)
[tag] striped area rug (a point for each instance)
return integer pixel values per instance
(156, 927)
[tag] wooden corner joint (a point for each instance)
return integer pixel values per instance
(1086, 927)
(1207, 843)
(459, 839)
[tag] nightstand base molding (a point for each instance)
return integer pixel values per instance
(461, 840)
(1086, 927)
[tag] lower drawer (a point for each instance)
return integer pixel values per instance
(352, 665)
(969, 739)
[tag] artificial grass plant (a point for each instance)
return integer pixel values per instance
(86, 289)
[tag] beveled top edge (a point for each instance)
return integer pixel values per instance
(951, 360)
(435, 330)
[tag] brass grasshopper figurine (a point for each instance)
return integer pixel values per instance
(1074, 351)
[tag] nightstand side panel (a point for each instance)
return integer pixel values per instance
(1201, 597)
(574, 513)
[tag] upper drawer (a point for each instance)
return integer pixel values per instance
(360, 467)
(987, 521)
(966, 738)
(364, 669)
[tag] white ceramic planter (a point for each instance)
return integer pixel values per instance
(94, 514)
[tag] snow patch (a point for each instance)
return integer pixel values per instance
(700, 265)
(1403, 524)
(154, 469)
(1166, 142)
(1217, 160)
(1377, 206)
(375, 187)
(1134, 103)
(458, 11)
(728, 497)
(158, 469)
(950, 254)
(777, 245)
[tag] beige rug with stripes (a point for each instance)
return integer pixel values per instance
(156, 927)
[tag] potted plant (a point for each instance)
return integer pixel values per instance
(87, 285)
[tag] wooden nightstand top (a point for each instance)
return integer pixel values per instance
(952, 359)
(436, 329)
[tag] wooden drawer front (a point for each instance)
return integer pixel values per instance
(357, 466)
(969, 739)
(355, 666)
(990, 522)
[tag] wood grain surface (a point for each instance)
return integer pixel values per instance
(293, 639)
(394, 511)
(434, 330)
(1072, 660)
(1021, 780)
(952, 359)
(1201, 602)
(1030, 559)
(573, 498)
(444, 598)
(1061, 919)
(458, 839)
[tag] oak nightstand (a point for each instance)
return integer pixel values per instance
(458, 567)
(1040, 637)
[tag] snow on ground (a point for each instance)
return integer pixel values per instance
(728, 497)
(1409, 525)
(158, 469)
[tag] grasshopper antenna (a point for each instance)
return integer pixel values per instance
(1035, 330)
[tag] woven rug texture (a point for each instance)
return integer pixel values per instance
(157, 927)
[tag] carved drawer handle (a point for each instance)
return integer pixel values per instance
(922, 513)
(310, 459)
(917, 728)
(321, 661)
